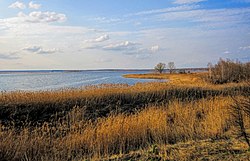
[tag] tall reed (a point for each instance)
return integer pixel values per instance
(37, 107)
(75, 138)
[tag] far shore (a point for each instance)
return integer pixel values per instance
(98, 70)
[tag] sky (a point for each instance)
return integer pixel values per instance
(122, 34)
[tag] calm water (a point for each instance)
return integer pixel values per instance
(33, 81)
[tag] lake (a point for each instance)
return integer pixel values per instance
(52, 80)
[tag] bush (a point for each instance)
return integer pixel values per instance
(226, 71)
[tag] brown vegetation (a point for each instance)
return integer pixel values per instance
(72, 137)
(229, 71)
(209, 149)
(147, 121)
(37, 107)
(196, 79)
(240, 110)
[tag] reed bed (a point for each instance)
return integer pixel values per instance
(100, 101)
(74, 138)
(102, 121)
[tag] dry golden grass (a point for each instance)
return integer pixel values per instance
(55, 125)
(19, 107)
(209, 149)
(74, 138)
(176, 79)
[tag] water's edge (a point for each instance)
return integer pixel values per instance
(54, 80)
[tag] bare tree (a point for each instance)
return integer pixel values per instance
(210, 66)
(229, 71)
(160, 67)
(171, 67)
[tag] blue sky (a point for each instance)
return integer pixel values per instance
(98, 34)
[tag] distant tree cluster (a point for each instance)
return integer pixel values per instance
(160, 67)
(226, 71)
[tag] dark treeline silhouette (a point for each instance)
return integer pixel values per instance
(226, 71)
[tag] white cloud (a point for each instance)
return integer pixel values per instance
(102, 38)
(143, 53)
(187, 1)
(212, 18)
(155, 48)
(127, 48)
(45, 17)
(18, 5)
(35, 17)
(244, 47)
(127, 45)
(169, 9)
(195, 15)
(40, 50)
(99, 39)
(33, 5)
(171, 28)
(106, 19)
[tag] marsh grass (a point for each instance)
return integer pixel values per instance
(102, 121)
(72, 137)
(38, 107)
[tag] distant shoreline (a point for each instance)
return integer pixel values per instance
(96, 70)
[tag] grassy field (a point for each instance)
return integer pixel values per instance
(186, 118)
(176, 79)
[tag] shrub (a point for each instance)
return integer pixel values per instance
(226, 71)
